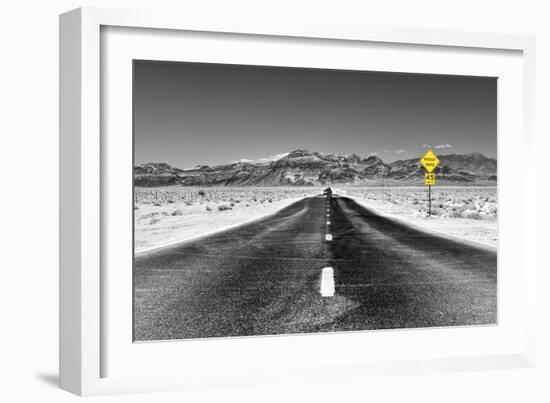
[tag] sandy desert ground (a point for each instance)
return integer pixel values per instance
(466, 212)
(171, 214)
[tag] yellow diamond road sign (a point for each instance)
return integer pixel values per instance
(429, 161)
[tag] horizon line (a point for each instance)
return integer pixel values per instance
(266, 160)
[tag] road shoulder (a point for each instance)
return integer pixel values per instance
(452, 229)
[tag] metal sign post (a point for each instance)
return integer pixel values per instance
(429, 200)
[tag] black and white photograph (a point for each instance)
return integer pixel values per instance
(280, 200)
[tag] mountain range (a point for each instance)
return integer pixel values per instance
(307, 168)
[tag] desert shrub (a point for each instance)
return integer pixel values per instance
(136, 207)
(208, 208)
(177, 212)
(471, 214)
(223, 207)
(157, 204)
(202, 193)
(453, 214)
(154, 220)
(491, 209)
(437, 211)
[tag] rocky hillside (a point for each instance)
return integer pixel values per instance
(157, 174)
(306, 168)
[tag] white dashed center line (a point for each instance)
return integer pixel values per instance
(327, 275)
(328, 236)
(327, 282)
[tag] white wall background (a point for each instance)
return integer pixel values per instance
(29, 201)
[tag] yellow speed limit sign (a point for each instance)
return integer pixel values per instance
(429, 161)
(429, 179)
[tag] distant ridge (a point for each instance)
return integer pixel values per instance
(307, 168)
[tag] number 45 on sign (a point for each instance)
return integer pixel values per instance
(429, 179)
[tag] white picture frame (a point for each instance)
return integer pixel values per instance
(84, 341)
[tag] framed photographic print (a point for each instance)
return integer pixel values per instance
(315, 254)
(246, 202)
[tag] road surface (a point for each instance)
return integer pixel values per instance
(317, 265)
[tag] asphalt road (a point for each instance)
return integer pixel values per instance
(266, 277)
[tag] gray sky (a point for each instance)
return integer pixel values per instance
(187, 114)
